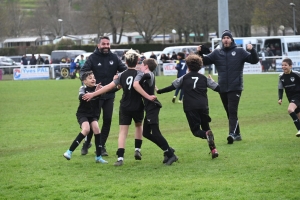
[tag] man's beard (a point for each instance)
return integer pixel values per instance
(104, 50)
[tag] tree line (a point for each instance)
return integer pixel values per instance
(147, 17)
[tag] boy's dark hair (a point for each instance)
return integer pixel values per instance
(288, 61)
(103, 37)
(181, 54)
(194, 62)
(152, 63)
(85, 75)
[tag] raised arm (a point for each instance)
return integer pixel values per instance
(89, 96)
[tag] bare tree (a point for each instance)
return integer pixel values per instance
(147, 18)
(16, 18)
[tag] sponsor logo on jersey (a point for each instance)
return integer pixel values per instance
(111, 62)
(233, 53)
(292, 79)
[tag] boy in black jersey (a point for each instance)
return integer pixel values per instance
(131, 106)
(145, 85)
(289, 80)
(87, 116)
(195, 102)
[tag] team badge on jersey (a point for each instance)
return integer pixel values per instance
(233, 53)
(111, 62)
(292, 79)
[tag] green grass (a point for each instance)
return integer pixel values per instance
(38, 124)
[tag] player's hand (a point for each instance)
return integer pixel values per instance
(280, 101)
(88, 96)
(98, 86)
(119, 87)
(209, 76)
(151, 97)
(249, 47)
(156, 88)
(115, 77)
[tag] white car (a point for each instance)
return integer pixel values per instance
(149, 53)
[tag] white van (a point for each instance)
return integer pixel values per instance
(176, 49)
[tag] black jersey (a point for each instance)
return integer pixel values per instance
(290, 83)
(195, 87)
(131, 99)
(88, 108)
(147, 82)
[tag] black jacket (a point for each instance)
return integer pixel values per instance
(229, 63)
(104, 66)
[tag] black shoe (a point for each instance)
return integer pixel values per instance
(173, 99)
(230, 138)
(171, 160)
(237, 137)
(103, 152)
(119, 163)
(166, 157)
(138, 155)
(85, 148)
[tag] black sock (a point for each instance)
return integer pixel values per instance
(98, 144)
(296, 120)
(77, 141)
(89, 137)
(138, 143)
(120, 152)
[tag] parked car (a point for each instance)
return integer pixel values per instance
(61, 56)
(7, 65)
(176, 49)
(119, 52)
(17, 59)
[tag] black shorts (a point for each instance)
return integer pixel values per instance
(81, 119)
(152, 116)
(296, 100)
(125, 117)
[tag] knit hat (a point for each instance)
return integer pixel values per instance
(227, 33)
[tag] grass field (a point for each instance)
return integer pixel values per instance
(38, 124)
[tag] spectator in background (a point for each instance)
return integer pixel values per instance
(153, 56)
(81, 61)
(46, 61)
(32, 60)
(72, 69)
(174, 56)
(181, 70)
(40, 60)
(168, 55)
(269, 53)
(142, 57)
(164, 58)
(24, 60)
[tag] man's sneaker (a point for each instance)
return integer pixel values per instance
(210, 139)
(230, 138)
(85, 148)
(237, 137)
(171, 160)
(104, 152)
(138, 155)
(166, 157)
(298, 134)
(99, 159)
(174, 98)
(179, 101)
(68, 154)
(214, 153)
(118, 163)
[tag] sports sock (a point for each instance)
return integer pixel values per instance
(120, 153)
(89, 137)
(296, 120)
(76, 142)
(98, 144)
(138, 143)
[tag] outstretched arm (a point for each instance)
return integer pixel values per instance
(89, 96)
(140, 90)
(166, 89)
